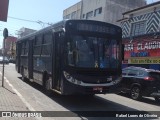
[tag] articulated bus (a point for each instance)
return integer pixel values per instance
(72, 57)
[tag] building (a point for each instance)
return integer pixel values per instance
(141, 36)
(102, 10)
(73, 12)
(10, 46)
(25, 31)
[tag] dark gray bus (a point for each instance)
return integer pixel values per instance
(72, 57)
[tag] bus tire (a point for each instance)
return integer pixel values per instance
(61, 87)
(23, 76)
(46, 84)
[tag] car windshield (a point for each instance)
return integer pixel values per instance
(92, 52)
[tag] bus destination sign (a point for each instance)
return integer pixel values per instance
(96, 28)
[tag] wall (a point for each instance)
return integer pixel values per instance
(115, 8)
(92, 5)
(111, 9)
(151, 16)
(69, 12)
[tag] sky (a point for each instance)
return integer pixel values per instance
(47, 11)
(33, 11)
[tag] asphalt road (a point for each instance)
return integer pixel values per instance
(36, 98)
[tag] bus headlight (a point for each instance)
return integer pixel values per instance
(78, 82)
(114, 82)
(71, 79)
(67, 76)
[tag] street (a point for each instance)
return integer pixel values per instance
(34, 98)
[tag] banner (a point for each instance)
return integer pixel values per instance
(144, 61)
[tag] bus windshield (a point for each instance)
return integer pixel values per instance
(92, 52)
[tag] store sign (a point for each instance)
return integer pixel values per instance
(140, 54)
(144, 61)
(142, 49)
(143, 46)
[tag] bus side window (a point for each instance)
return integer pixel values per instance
(26, 48)
(23, 48)
(37, 45)
(47, 41)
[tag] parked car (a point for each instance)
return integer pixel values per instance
(140, 82)
(12, 60)
(5, 61)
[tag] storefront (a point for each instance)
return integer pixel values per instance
(143, 51)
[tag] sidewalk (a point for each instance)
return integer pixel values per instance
(10, 101)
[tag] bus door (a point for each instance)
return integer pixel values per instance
(18, 56)
(57, 60)
(30, 58)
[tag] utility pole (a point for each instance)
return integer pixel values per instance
(5, 35)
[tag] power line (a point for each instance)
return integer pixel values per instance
(40, 22)
(22, 19)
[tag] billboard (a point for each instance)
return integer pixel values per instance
(4, 10)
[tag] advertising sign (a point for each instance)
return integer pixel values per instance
(144, 61)
(142, 50)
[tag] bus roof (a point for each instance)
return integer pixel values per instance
(58, 25)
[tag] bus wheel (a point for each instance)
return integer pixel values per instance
(23, 77)
(61, 87)
(47, 87)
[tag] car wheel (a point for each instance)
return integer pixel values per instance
(157, 99)
(136, 93)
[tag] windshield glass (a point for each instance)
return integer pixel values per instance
(92, 52)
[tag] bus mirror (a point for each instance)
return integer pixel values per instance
(122, 52)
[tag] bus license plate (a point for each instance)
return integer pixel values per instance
(97, 89)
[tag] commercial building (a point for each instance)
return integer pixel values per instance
(102, 10)
(141, 36)
(73, 12)
(10, 47)
(24, 31)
